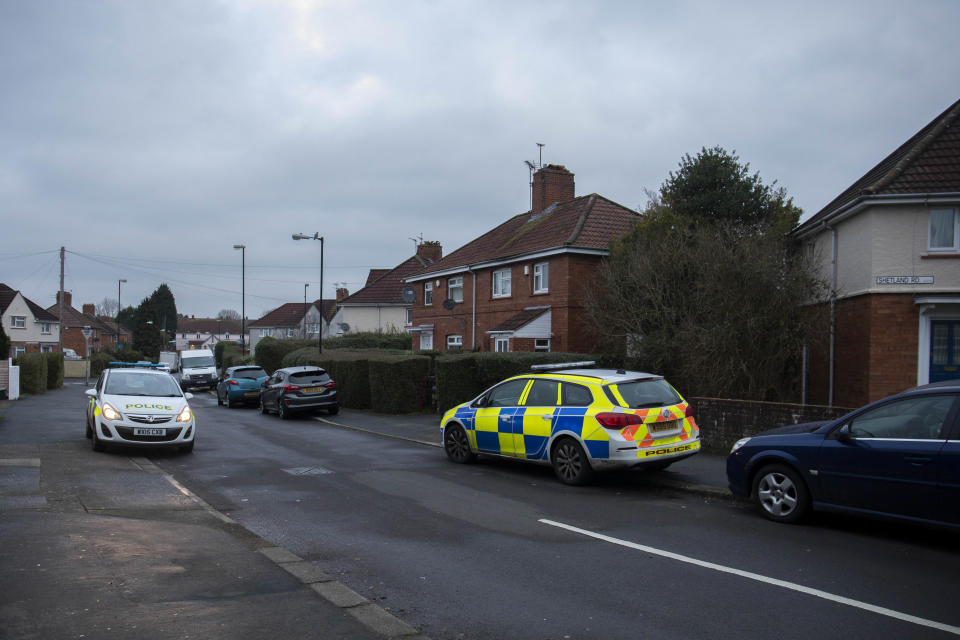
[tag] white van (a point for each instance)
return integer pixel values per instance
(197, 369)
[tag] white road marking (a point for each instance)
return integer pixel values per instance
(761, 578)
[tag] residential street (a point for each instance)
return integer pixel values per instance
(105, 545)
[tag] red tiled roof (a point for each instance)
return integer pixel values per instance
(73, 319)
(291, 313)
(7, 295)
(927, 163)
(208, 325)
(388, 288)
(586, 222)
(375, 274)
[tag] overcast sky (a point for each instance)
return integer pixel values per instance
(150, 137)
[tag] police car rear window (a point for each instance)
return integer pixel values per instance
(645, 393)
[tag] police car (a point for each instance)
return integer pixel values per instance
(139, 406)
(578, 420)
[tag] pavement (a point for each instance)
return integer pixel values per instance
(703, 474)
(113, 546)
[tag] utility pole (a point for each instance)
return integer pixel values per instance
(60, 297)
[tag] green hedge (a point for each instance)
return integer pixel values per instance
(464, 376)
(54, 369)
(370, 340)
(33, 373)
(402, 384)
(270, 352)
(99, 361)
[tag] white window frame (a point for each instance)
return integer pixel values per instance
(17, 351)
(409, 316)
(501, 345)
(426, 341)
(501, 284)
(541, 277)
(18, 322)
(427, 294)
(455, 341)
(952, 248)
(266, 333)
(46, 348)
(45, 328)
(292, 332)
(455, 284)
(541, 344)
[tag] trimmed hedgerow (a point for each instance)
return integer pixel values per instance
(270, 352)
(402, 384)
(370, 340)
(33, 373)
(54, 369)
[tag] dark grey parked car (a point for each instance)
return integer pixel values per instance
(299, 389)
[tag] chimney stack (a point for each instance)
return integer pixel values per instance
(89, 310)
(430, 251)
(342, 293)
(67, 298)
(551, 184)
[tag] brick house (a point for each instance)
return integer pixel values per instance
(30, 327)
(889, 245)
(379, 305)
(293, 320)
(104, 332)
(519, 287)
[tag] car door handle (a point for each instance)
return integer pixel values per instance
(506, 418)
(549, 416)
(917, 461)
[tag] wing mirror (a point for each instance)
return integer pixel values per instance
(843, 434)
(91, 392)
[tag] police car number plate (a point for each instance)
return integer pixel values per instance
(142, 431)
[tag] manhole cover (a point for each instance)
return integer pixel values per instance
(307, 471)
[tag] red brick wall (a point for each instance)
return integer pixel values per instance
(876, 349)
(568, 275)
(552, 183)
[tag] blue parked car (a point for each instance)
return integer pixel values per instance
(240, 385)
(897, 457)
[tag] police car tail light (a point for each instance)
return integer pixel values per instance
(618, 420)
(291, 387)
(688, 412)
(233, 382)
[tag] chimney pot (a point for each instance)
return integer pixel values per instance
(67, 298)
(551, 184)
(89, 309)
(431, 251)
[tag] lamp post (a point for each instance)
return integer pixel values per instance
(118, 310)
(316, 236)
(243, 296)
(305, 285)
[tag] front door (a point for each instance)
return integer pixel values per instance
(944, 350)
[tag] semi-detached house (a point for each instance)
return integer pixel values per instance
(520, 286)
(30, 327)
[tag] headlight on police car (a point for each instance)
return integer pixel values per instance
(739, 443)
(109, 413)
(185, 416)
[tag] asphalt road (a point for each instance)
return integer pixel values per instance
(503, 550)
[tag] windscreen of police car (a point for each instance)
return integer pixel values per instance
(132, 383)
(648, 393)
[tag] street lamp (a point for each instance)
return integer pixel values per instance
(316, 236)
(118, 310)
(243, 295)
(305, 285)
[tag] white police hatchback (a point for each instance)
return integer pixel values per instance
(139, 407)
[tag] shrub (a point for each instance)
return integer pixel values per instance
(54, 369)
(270, 351)
(402, 384)
(99, 362)
(33, 373)
(370, 340)
(230, 355)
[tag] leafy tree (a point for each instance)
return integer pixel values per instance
(147, 336)
(4, 344)
(711, 287)
(128, 317)
(166, 309)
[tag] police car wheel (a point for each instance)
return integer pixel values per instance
(188, 448)
(660, 465)
(570, 463)
(457, 445)
(781, 494)
(89, 430)
(97, 445)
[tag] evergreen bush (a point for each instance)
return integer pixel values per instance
(33, 373)
(54, 369)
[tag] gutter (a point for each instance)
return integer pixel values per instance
(861, 202)
(470, 267)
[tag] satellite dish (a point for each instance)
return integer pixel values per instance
(344, 327)
(449, 304)
(408, 294)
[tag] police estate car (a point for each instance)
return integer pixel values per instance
(139, 406)
(578, 420)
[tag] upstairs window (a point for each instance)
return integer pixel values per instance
(455, 288)
(944, 230)
(18, 322)
(427, 294)
(45, 327)
(541, 277)
(501, 283)
(409, 316)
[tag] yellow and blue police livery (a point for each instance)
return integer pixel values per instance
(578, 420)
(139, 406)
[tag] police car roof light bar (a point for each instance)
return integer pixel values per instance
(563, 365)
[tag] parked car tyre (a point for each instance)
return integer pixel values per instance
(333, 410)
(781, 494)
(263, 407)
(457, 445)
(282, 411)
(219, 400)
(570, 462)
